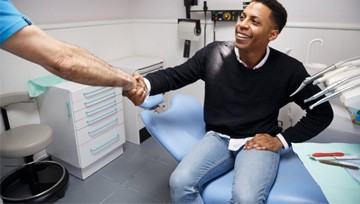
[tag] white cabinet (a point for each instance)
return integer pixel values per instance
(133, 122)
(88, 125)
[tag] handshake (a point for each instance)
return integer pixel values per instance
(138, 94)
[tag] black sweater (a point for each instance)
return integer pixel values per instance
(241, 102)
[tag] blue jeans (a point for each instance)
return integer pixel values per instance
(255, 171)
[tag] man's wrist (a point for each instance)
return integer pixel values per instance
(285, 145)
(148, 86)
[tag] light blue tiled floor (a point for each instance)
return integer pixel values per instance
(140, 175)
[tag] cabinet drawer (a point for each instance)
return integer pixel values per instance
(97, 108)
(100, 146)
(110, 112)
(92, 131)
(87, 92)
(94, 99)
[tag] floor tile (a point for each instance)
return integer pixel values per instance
(149, 148)
(140, 175)
(127, 195)
(154, 181)
(125, 167)
(166, 158)
(94, 189)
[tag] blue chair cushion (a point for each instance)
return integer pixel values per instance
(182, 126)
(293, 185)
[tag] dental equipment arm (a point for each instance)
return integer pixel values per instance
(310, 79)
(331, 87)
(334, 95)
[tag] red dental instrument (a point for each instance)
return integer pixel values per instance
(328, 154)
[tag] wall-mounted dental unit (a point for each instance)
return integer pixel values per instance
(188, 29)
(220, 12)
(342, 80)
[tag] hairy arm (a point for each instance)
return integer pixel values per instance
(67, 61)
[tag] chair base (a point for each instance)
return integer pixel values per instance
(39, 182)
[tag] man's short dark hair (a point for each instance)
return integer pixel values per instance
(278, 12)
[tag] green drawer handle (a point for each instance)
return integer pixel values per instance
(109, 124)
(106, 144)
(96, 91)
(103, 98)
(89, 122)
(68, 107)
(90, 112)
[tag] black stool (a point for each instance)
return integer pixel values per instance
(35, 181)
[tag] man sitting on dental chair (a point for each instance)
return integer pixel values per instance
(246, 83)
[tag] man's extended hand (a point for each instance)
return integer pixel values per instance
(264, 142)
(138, 94)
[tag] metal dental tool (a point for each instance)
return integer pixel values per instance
(334, 95)
(310, 79)
(331, 87)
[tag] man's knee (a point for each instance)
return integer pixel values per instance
(174, 181)
(178, 180)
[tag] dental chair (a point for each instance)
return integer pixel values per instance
(35, 181)
(181, 126)
(153, 103)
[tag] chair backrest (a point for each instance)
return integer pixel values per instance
(178, 128)
(14, 97)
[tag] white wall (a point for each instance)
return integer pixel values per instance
(61, 11)
(323, 11)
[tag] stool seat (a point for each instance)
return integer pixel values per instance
(25, 140)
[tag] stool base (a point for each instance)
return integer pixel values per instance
(38, 182)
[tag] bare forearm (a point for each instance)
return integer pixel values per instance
(77, 64)
(65, 60)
